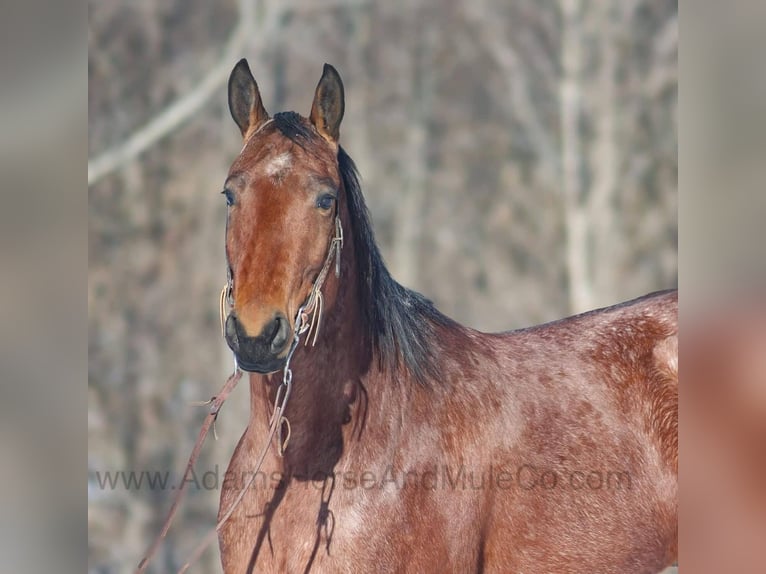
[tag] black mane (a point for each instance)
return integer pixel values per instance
(402, 322)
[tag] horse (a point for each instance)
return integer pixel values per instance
(405, 441)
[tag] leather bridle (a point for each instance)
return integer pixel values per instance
(308, 319)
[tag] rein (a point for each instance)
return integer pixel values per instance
(308, 318)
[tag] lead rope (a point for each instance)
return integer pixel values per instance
(275, 428)
(217, 402)
(307, 318)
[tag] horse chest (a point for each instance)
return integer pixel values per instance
(296, 529)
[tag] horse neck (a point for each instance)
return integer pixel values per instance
(326, 378)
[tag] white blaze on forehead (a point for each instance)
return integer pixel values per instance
(276, 166)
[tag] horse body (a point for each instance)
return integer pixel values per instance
(420, 445)
(460, 477)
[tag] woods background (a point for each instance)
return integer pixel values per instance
(519, 159)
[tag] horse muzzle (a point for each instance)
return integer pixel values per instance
(261, 353)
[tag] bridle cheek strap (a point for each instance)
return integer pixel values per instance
(310, 313)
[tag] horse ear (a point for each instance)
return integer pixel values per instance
(328, 106)
(245, 100)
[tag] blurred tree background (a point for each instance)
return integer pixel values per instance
(519, 158)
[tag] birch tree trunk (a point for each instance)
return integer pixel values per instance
(580, 289)
(605, 158)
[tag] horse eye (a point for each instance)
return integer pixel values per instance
(325, 201)
(229, 196)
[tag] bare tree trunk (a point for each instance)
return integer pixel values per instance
(519, 100)
(580, 294)
(406, 247)
(605, 159)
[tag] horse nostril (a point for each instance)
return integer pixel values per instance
(279, 333)
(230, 329)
